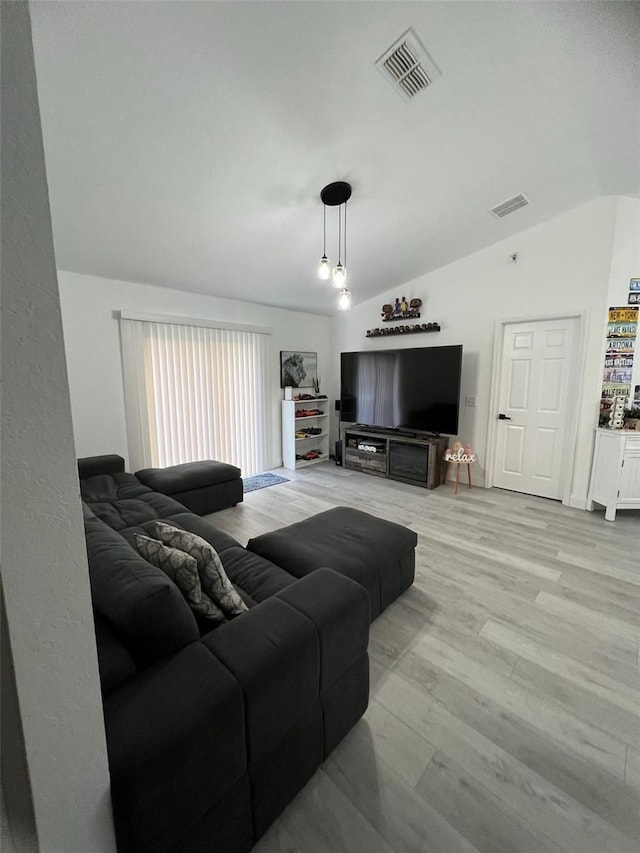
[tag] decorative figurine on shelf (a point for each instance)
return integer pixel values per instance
(459, 455)
(387, 312)
(401, 309)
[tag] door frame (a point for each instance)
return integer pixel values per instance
(575, 393)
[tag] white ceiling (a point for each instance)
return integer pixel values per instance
(187, 142)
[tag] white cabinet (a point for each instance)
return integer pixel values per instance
(305, 434)
(615, 474)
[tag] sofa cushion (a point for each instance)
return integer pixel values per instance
(274, 654)
(212, 574)
(108, 463)
(176, 743)
(119, 514)
(256, 576)
(339, 608)
(110, 487)
(143, 604)
(182, 568)
(102, 487)
(115, 664)
(121, 501)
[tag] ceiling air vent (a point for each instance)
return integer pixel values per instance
(511, 204)
(408, 66)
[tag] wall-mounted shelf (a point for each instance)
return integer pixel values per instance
(308, 417)
(407, 316)
(403, 330)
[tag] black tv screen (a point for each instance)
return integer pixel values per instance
(417, 389)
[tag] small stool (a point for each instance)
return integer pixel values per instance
(459, 455)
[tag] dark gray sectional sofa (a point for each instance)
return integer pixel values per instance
(210, 733)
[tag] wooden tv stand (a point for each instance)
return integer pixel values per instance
(403, 456)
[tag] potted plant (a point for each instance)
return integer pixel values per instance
(632, 418)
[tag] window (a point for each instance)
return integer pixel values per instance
(195, 392)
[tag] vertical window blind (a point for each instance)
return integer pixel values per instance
(195, 393)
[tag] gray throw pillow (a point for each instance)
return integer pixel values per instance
(213, 577)
(183, 571)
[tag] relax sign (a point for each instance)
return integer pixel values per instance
(460, 454)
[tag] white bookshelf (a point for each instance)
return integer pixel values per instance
(292, 446)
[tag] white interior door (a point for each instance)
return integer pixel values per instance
(534, 400)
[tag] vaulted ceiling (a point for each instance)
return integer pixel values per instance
(187, 142)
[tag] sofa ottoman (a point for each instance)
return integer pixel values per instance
(202, 487)
(378, 554)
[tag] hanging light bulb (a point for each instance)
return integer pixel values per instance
(324, 268)
(344, 300)
(339, 276)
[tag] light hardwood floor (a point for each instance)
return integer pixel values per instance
(505, 698)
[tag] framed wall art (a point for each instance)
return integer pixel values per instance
(298, 369)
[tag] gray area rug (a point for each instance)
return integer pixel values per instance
(262, 481)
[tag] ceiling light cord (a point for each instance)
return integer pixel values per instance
(324, 231)
(345, 235)
(324, 269)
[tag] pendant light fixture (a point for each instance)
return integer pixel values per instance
(337, 195)
(344, 300)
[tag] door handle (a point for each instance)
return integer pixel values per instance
(502, 417)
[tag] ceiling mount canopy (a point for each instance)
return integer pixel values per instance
(339, 192)
(336, 194)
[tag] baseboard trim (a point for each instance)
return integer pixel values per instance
(578, 502)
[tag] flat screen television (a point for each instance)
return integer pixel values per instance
(413, 390)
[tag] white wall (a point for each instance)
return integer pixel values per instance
(45, 579)
(625, 264)
(580, 261)
(92, 342)
(563, 265)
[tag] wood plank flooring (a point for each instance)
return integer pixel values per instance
(505, 691)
